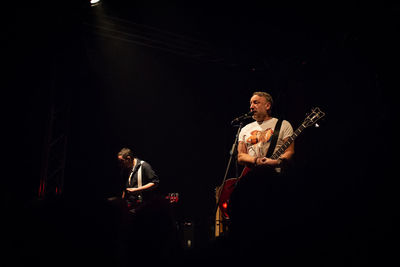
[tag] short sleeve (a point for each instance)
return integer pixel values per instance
(286, 129)
(149, 174)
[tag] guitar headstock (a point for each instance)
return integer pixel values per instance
(315, 115)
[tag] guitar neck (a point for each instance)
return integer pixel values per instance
(282, 149)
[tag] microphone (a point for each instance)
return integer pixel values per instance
(243, 117)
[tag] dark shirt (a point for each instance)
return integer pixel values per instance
(148, 176)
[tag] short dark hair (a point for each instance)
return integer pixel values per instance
(125, 152)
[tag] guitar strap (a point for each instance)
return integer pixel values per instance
(274, 138)
(139, 180)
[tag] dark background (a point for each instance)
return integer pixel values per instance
(167, 79)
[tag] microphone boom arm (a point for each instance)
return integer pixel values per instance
(246, 116)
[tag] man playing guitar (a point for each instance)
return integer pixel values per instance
(256, 205)
(140, 183)
(252, 205)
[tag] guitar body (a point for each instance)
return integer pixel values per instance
(224, 196)
(226, 191)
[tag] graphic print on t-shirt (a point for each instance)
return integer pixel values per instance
(260, 136)
(258, 141)
(257, 136)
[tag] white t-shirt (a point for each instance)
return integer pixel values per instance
(257, 136)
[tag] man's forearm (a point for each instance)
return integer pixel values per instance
(245, 159)
(138, 189)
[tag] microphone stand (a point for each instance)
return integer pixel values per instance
(233, 149)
